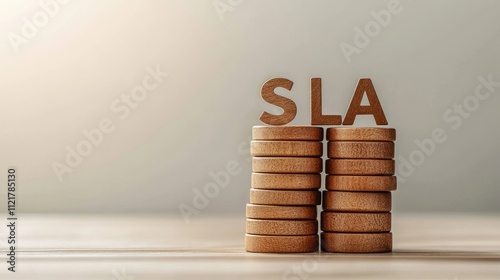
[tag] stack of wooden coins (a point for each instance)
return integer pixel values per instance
(286, 165)
(357, 202)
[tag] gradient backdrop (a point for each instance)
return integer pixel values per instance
(67, 68)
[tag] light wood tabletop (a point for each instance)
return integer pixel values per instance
(137, 247)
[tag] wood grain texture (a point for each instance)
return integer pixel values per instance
(361, 183)
(360, 150)
(360, 166)
(273, 197)
(282, 227)
(355, 108)
(426, 246)
(288, 106)
(317, 117)
(356, 242)
(287, 164)
(357, 201)
(355, 222)
(291, 133)
(271, 212)
(281, 244)
(360, 134)
(286, 181)
(259, 148)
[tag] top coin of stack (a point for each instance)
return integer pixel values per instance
(286, 165)
(357, 202)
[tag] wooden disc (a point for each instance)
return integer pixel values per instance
(357, 201)
(287, 164)
(282, 227)
(357, 149)
(361, 183)
(304, 133)
(281, 244)
(356, 242)
(272, 197)
(360, 166)
(286, 148)
(360, 134)
(271, 212)
(355, 222)
(286, 181)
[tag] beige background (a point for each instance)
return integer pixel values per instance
(66, 77)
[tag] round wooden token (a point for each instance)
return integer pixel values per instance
(287, 164)
(286, 181)
(356, 242)
(304, 133)
(357, 149)
(271, 212)
(360, 166)
(357, 201)
(272, 197)
(360, 134)
(281, 244)
(361, 183)
(286, 148)
(355, 222)
(282, 227)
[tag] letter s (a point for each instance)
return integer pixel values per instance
(288, 106)
(448, 117)
(118, 107)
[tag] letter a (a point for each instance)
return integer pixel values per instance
(355, 108)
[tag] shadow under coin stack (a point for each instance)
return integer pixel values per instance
(286, 165)
(356, 214)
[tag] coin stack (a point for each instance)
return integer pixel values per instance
(286, 165)
(356, 214)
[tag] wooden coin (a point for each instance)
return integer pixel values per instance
(356, 242)
(286, 148)
(360, 166)
(282, 227)
(355, 222)
(271, 212)
(357, 201)
(361, 183)
(360, 150)
(360, 134)
(300, 133)
(272, 197)
(286, 181)
(281, 244)
(287, 164)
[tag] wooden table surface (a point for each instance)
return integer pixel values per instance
(165, 247)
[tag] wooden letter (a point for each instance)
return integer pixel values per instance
(355, 108)
(317, 117)
(289, 107)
